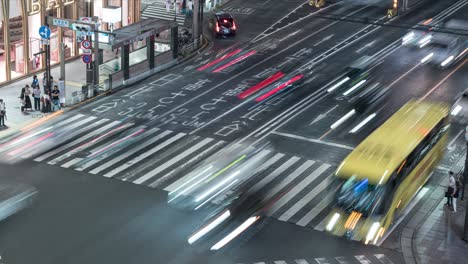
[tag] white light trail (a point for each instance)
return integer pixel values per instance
(217, 186)
(447, 61)
(428, 57)
(333, 221)
(343, 119)
(457, 110)
(205, 230)
(235, 233)
(338, 84)
(363, 123)
(357, 85)
(191, 186)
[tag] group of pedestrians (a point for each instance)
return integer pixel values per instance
(46, 100)
(180, 6)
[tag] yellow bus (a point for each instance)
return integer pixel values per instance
(378, 179)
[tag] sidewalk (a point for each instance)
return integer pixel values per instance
(74, 78)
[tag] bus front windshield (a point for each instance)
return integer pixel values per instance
(359, 195)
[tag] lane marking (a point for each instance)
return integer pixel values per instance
(298, 188)
(443, 80)
(313, 140)
(363, 123)
(306, 199)
(253, 66)
(323, 40)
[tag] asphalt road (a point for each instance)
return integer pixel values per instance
(155, 132)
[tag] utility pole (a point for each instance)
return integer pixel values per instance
(465, 186)
(198, 6)
(47, 52)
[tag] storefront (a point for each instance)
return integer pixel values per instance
(19, 30)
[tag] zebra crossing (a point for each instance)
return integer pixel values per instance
(162, 159)
(358, 259)
(157, 9)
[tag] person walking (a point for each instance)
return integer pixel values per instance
(451, 190)
(37, 98)
(44, 82)
(55, 98)
(2, 113)
(177, 6)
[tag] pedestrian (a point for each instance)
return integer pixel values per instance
(46, 102)
(190, 7)
(177, 6)
(37, 98)
(2, 113)
(451, 190)
(168, 6)
(35, 82)
(55, 98)
(184, 7)
(25, 99)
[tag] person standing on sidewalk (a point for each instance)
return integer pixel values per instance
(46, 102)
(55, 98)
(35, 82)
(168, 6)
(190, 7)
(177, 6)
(451, 190)
(2, 113)
(61, 87)
(37, 97)
(25, 99)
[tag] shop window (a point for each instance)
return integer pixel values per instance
(35, 46)
(16, 40)
(2, 51)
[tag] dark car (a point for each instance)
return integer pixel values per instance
(222, 24)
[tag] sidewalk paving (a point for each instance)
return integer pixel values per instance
(74, 78)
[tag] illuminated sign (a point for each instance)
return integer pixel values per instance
(35, 6)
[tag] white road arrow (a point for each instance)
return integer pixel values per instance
(323, 40)
(322, 116)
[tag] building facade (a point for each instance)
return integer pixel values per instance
(20, 21)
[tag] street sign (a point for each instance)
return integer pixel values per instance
(86, 59)
(60, 22)
(86, 44)
(44, 32)
(86, 19)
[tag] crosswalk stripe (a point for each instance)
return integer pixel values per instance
(316, 210)
(182, 180)
(75, 133)
(321, 226)
(322, 261)
(342, 260)
(383, 259)
(80, 140)
(298, 188)
(91, 161)
(170, 163)
(143, 156)
(301, 261)
(280, 262)
(70, 128)
(290, 178)
(362, 259)
(305, 199)
(71, 162)
(133, 150)
(273, 175)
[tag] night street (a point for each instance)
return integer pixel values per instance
(268, 115)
